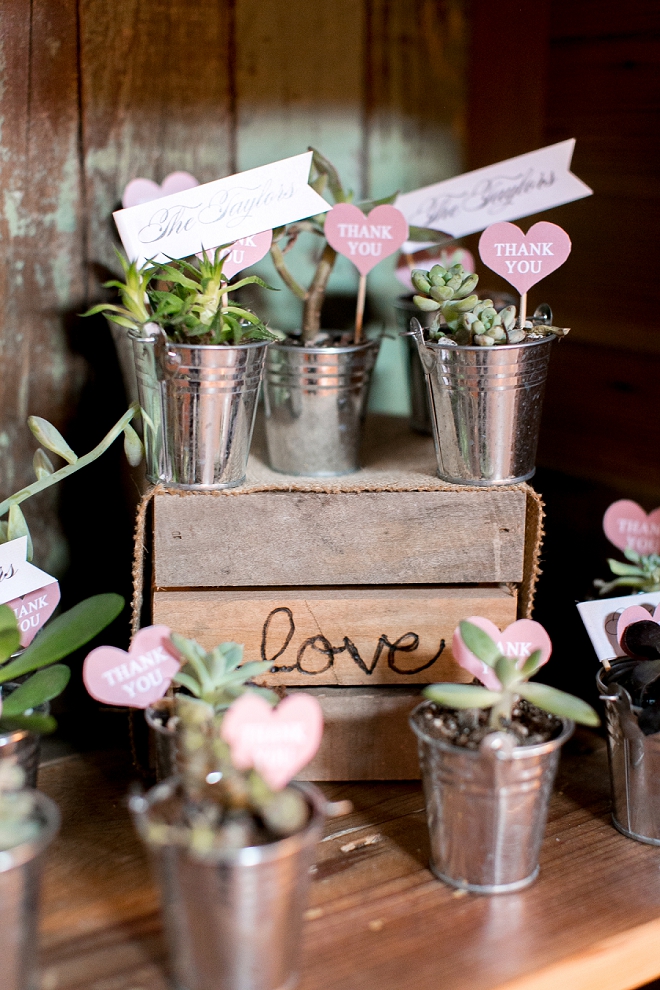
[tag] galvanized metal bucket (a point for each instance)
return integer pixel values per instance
(20, 870)
(420, 412)
(487, 809)
(634, 761)
(200, 403)
(234, 922)
(485, 408)
(21, 746)
(163, 747)
(316, 400)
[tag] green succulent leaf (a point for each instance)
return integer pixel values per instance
(325, 167)
(507, 672)
(41, 725)
(36, 690)
(462, 695)
(51, 438)
(624, 570)
(132, 446)
(17, 527)
(531, 664)
(479, 643)
(65, 634)
(10, 637)
(41, 464)
(558, 703)
(188, 682)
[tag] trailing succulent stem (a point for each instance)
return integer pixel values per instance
(53, 440)
(462, 318)
(325, 178)
(642, 573)
(514, 684)
(48, 678)
(189, 302)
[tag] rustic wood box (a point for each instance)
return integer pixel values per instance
(351, 587)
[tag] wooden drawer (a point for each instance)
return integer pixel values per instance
(263, 539)
(338, 636)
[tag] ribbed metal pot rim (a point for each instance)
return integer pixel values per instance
(248, 855)
(496, 348)
(25, 851)
(155, 723)
(518, 753)
(344, 349)
(199, 347)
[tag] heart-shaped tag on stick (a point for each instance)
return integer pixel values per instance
(277, 742)
(135, 679)
(524, 259)
(520, 639)
(140, 191)
(626, 525)
(34, 609)
(244, 253)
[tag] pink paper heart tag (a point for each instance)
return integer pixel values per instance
(277, 742)
(244, 253)
(626, 525)
(524, 259)
(634, 613)
(520, 640)
(140, 191)
(34, 609)
(365, 240)
(135, 679)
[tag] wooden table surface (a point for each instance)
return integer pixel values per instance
(377, 919)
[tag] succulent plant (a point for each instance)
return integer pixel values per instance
(189, 302)
(59, 638)
(221, 808)
(218, 677)
(448, 292)
(53, 440)
(513, 678)
(642, 573)
(325, 178)
(18, 820)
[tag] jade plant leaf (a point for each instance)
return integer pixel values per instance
(65, 634)
(10, 637)
(480, 643)
(42, 725)
(41, 687)
(462, 695)
(558, 702)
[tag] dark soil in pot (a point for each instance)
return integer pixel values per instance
(466, 728)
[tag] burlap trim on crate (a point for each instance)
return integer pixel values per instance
(395, 460)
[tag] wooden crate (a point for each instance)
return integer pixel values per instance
(351, 588)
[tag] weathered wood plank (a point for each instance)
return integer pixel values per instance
(41, 252)
(335, 635)
(307, 538)
(366, 735)
(156, 97)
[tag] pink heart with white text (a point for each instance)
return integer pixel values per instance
(277, 742)
(135, 679)
(365, 240)
(626, 525)
(34, 609)
(140, 191)
(520, 639)
(634, 613)
(524, 259)
(244, 253)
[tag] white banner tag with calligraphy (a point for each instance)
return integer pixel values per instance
(220, 212)
(31, 593)
(601, 616)
(509, 190)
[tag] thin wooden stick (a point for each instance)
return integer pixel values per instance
(359, 312)
(225, 300)
(523, 310)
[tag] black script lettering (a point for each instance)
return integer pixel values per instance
(287, 640)
(165, 222)
(408, 643)
(351, 649)
(7, 573)
(326, 648)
